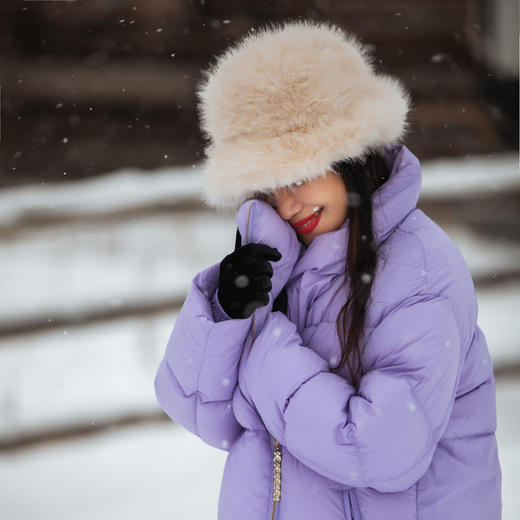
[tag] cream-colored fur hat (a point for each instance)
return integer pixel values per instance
(287, 101)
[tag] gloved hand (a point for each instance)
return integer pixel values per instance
(245, 279)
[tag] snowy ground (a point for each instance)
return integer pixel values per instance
(163, 472)
(58, 262)
(105, 370)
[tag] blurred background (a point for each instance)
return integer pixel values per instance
(102, 226)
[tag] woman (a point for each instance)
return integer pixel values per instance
(335, 354)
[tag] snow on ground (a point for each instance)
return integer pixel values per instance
(164, 472)
(123, 189)
(470, 176)
(161, 472)
(82, 267)
(80, 375)
(130, 187)
(94, 372)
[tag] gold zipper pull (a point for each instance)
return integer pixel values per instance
(277, 475)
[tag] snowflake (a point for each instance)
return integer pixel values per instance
(411, 406)
(241, 281)
(225, 381)
(333, 361)
(366, 278)
(277, 331)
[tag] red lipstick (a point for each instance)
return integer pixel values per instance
(309, 223)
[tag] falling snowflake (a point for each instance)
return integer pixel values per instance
(225, 443)
(225, 381)
(411, 406)
(366, 278)
(277, 331)
(242, 281)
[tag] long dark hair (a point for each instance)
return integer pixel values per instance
(362, 176)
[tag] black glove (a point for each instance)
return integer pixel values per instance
(245, 279)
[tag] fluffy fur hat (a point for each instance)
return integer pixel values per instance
(285, 102)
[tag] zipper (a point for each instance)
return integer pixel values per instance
(277, 476)
(245, 242)
(277, 453)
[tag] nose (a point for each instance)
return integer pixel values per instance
(286, 204)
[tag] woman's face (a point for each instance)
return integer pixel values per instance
(325, 196)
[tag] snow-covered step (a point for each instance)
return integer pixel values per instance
(132, 188)
(71, 273)
(122, 190)
(469, 177)
(73, 377)
(67, 378)
(60, 273)
(485, 256)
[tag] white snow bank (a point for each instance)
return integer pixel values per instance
(470, 176)
(131, 187)
(82, 268)
(121, 189)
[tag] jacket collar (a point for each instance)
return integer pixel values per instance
(391, 203)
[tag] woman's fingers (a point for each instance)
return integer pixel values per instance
(262, 283)
(262, 251)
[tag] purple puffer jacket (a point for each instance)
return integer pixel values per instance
(416, 442)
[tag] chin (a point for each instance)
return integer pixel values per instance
(307, 239)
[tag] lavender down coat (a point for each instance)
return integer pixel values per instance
(418, 439)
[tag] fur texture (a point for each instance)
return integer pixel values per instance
(285, 102)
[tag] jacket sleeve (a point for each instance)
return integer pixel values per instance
(383, 436)
(197, 375)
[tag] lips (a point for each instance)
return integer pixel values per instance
(304, 221)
